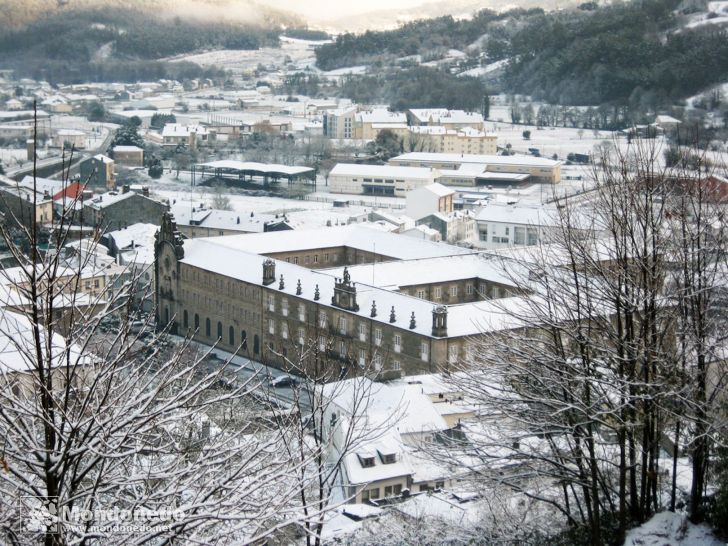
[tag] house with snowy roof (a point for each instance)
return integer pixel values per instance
(378, 432)
(68, 362)
(118, 209)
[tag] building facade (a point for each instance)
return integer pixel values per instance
(274, 310)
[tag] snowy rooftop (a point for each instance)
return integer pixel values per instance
(221, 219)
(437, 189)
(354, 169)
(224, 255)
(17, 345)
(360, 237)
(442, 115)
(182, 131)
(381, 115)
(397, 274)
(483, 159)
(127, 149)
(109, 198)
(514, 214)
(140, 234)
(258, 167)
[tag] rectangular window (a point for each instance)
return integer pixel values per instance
(301, 312)
(315, 258)
(362, 331)
(307, 259)
(453, 291)
(271, 326)
(342, 325)
(295, 259)
(438, 292)
(271, 302)
(397, 343)
(508, 231)
(377, 336)
(342, 349)
(519, 235)
(326, 257)
(377, 362)
(322, 343)
(396, 365)
(422, 294)
(389, 458)
(452, 354)
(469, 289)
(532, 236)
(425, 351)
(370, 494)
(301, 336)
(284, 330)
(284, 307)
(323, 319)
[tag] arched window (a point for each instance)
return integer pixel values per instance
(256, 344)
(219, 330)
(231, 336)
(244, 340)
(207, 327)
(185, 319)
(166, 315)
(197, 321)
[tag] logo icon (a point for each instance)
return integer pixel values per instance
(39, 515)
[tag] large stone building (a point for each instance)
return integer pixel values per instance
(400, 305)
(119, 209)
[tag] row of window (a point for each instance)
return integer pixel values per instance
(373, 493)
(211, 280)
(437, 292)
(308, 259)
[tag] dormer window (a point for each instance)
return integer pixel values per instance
(388, 458)
(366, 462)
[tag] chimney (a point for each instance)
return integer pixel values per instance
(125, 188)
(145, 191)
(439, 321)
(269, 272)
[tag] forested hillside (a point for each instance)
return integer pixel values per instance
(117, 43)
(590, 55)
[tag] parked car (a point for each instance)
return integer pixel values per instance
(283, 381)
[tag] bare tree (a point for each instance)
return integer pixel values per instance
(113, 416)
(327, 420)
(578, 400)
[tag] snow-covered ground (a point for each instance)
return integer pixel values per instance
(245, 60)
(487, 69)
(670, 529)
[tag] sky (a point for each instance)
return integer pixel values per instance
(328, 9)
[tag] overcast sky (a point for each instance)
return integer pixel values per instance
(328, 9)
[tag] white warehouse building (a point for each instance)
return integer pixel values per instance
(378, 179)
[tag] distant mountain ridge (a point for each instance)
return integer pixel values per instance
(95, 40)
(17, 13)
(641, 54)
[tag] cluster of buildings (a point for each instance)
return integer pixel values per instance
(433, 130)
(412, 170)
(357, 293)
